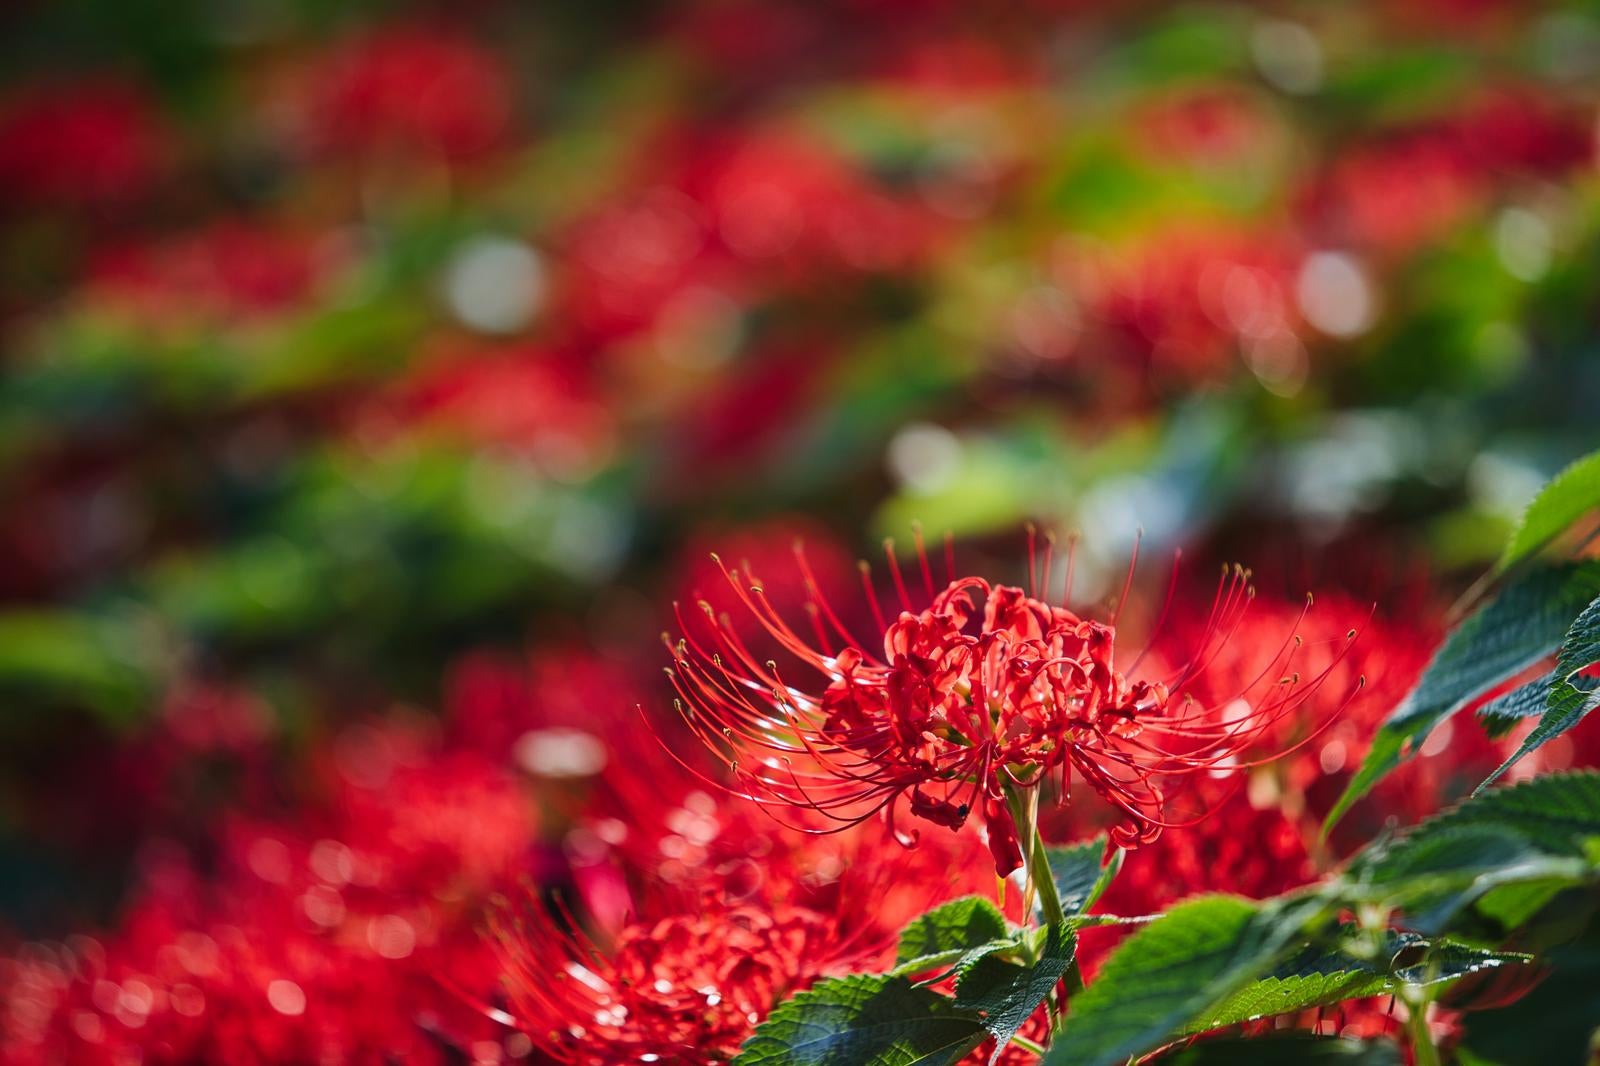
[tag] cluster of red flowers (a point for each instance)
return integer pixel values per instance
(392, 916)
(334, 934)
(388, 916)
(338, 357)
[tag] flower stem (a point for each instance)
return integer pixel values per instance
(1039, 869)
(1423, 1053)
(1024, 805)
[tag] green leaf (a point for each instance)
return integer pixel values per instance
(1532, 833)
(1568, 497)
(1569, 697)
(1513, 904)
(1287, 1049)
(1448, 960)
(1581, 645)
(1314, 977)
(1567, 704)
(103, 662)
(1447, 853)
(1525, 623)
(1174, 971)
(1098, 921)
(1318, 977)
(863, 1020)
(950, 933)
(1432, 907)
(1007, 994)
(1079, 876)
(1556, 813)
(1296, 992)
(1500, 715)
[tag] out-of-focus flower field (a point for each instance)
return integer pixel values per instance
(378, 381)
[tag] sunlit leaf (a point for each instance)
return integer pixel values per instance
(863, 1020)
(1533, 833)
(1570, 495)
(1500, 715)
(1319, 977)
(1555, 812)
(950, 934)
(1566, 704)
(1174, 971)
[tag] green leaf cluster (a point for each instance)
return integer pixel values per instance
(1433, 902)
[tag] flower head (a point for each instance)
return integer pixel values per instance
(973, 700)
(683, 917)
(712, 941)
(691, 983)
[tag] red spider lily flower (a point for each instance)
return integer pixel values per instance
(1186, 302)
(761, 547)
(973, 702)
(651, 828)
(780, 197)
(710, 951)
(687, 987)
(698, 914)
(1262, 840)
(1395, 647)
(1453, 166)
(517, 400)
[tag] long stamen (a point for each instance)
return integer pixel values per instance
(1049, 551)
(1033, 583)
(922, 558)
(872, 593)
(1072, 558)
(1127, 582)
(894, 570)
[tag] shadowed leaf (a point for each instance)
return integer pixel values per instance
(1525, 623)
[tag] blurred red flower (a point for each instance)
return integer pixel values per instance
(514, 399)
(409, 91)
(93, 143)
(228, 269)
(338, 934)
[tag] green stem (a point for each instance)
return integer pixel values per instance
(1422, 1050)
(1023, 804)
(1050, 903)
(1049, 898)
